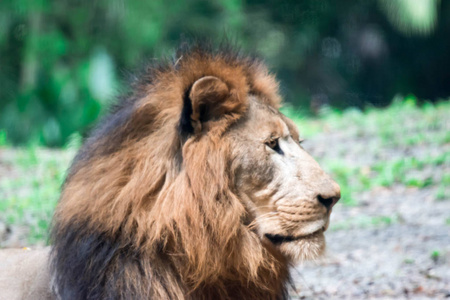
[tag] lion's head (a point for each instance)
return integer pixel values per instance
(287, 195)
(195, 186)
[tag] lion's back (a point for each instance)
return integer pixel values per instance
(24, 274)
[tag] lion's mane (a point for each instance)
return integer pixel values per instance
(147, 211)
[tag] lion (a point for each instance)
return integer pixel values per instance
(24, 274)
(195, 186)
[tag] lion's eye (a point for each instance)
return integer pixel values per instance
(301, 141)
(274, 145)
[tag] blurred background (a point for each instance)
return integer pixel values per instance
(366, 81)
(62, 61)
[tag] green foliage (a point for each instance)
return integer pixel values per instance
(59, 73)
(29, 194)
(410, 16)
(435, 255)
(3, 138)
(394, 128)
(62, 61)
(409, 261)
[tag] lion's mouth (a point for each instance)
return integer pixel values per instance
(277, 239)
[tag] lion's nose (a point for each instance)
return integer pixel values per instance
(328, 202)
(331, 195)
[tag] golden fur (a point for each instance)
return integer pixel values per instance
(161, 201)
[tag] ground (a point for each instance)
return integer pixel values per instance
(391, 239)
(389, 236)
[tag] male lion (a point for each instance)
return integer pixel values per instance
(194, 187)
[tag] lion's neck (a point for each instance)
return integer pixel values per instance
(235, 282)
(268, 287)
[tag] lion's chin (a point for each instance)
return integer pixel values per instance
(300, 249)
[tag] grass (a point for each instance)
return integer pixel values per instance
(30, 178)
(405, 129)
(364, 221)
(435, 255)
(28, 194)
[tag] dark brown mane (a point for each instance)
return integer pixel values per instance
(148, 209)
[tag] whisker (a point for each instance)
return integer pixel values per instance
(267, 216)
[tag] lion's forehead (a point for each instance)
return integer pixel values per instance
(267, 122)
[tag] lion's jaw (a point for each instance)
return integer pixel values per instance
(281, 189)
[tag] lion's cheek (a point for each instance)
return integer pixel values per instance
(307, 248)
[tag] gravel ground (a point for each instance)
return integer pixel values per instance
(394, 243)
(386, 262)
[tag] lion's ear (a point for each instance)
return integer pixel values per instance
(209, 98)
